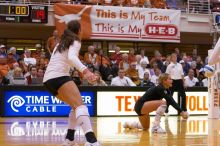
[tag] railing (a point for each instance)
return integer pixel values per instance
(42, 2)
(193, 6)
(199, 7)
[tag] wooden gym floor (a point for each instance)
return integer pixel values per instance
(196, 131)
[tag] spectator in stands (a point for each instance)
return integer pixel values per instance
(102, 60)
(158, 59)
(158, 4)
(33, 74)
(190, 80)
(118, 2)
(105, 67)
(28, 59)
(154, 78)
(146, 81)
(108, 2)
(154, 67)
(4, 68)
(37, 53)
(3, 79)
(124, 63)
(138, 62)
(3, 50)
(17, 74)
(116, 57)
(76, 78)
(147, 4)
(90, 57)
(99, 81)
(135, 3)
(167, 61)
(143, 57)
(194, 54)
(199, 63)
(193, 67)
(201, 78)
(13, 50)
(52, 41)
(22, 65)
(95, 2)
(143, 69)
(177, 51)
(11, 71)
(131, 55)
(40, 73)
(171, 4)
(132, 73)
(122, 80)
(10, 59)
(42, 63)
(186, 65)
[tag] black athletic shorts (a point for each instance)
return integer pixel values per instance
(138, 106)
(54, 84)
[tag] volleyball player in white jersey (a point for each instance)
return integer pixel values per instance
(57, 81)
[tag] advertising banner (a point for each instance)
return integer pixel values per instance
(122, 103)
(121, 23)
(40, 103)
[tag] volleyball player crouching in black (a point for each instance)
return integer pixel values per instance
(152, 101)
(57, 80)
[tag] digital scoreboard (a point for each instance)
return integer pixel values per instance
(17, 13)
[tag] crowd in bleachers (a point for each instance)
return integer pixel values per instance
(193, 6)
(117, 69)
(173, 4)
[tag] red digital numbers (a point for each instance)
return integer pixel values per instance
(40, 14)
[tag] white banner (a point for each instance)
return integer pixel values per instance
(127, 23)
(121, 23)
(122, 103)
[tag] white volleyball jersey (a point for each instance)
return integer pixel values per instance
(60, 63)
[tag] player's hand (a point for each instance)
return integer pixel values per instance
(184, 115)
(88, 75)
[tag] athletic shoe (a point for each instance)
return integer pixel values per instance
(93, 144)
(67, 142)
(132, 125)
(157, 129)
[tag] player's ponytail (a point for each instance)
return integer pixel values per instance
(69, 35)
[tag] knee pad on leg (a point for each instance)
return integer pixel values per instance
(161, 109)
(81, 110)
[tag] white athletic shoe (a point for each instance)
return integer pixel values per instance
(67, 142)
(93, 144)
(132, 125)
(157, 129)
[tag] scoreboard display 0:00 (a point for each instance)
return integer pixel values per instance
(23, 13)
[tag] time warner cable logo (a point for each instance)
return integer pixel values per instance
(40, 103)
(16, 101)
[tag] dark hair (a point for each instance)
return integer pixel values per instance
(69, 35)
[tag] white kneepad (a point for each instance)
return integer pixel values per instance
(81, 110)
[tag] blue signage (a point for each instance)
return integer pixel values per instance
(40, 103)
(217, 19)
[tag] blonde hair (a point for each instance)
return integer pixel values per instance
(17, 69)
(162, 77)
